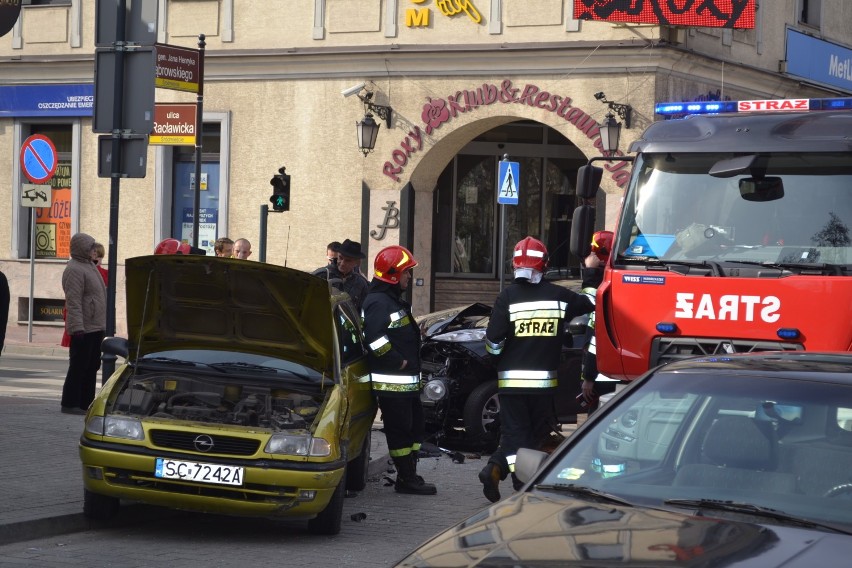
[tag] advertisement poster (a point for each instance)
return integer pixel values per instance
(207, 220)
(53, 224)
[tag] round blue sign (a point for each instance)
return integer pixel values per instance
(38, 158)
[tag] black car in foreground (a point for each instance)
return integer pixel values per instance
(740, 460)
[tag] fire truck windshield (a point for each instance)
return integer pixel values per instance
(780, 209)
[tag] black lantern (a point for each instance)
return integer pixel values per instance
(367, 131)
(610, 131)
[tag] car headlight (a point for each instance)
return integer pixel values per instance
(116, 427)
(435, 390)
(298, 445)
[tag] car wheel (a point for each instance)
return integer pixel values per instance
(481, 414)
(99, 507)
(358, 469)
(328, 521)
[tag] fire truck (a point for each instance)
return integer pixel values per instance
(734, 235)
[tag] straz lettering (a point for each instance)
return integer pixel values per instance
(786, 104)
(535, 327)
(730, 307)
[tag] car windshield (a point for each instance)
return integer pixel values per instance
(791, 209)
(233, 362)
(765, 442)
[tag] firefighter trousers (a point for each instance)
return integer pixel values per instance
(524, 423)
(403, 424)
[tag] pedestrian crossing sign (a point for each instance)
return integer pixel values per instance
(507, 193)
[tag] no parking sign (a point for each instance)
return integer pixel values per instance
(38, 158)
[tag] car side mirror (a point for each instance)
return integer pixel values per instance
(527, 463)
(579, 325)
(117, 346)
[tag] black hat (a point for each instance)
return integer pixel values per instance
(351, 249)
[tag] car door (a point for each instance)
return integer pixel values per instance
(355, 375)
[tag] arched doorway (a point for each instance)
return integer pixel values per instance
(467, 219)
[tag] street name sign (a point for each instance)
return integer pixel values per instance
(178, 68)
(174, 124)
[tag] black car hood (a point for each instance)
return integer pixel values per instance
(543, 529)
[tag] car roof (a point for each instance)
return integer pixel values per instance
(833, 367)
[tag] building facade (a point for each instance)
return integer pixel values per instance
(468, 82)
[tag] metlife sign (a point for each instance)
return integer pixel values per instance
(819, 61)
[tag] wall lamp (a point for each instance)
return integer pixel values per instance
(622, 110)
(610, 132)
(367, 129)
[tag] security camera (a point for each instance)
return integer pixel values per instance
(354, 90)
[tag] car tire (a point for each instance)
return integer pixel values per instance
(329, 520)
(358, 469)
(99, 507)
(482, 415)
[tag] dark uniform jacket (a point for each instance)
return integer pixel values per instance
(355, 284)
(392, 336)
(526, 333)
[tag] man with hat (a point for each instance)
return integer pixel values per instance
(343, 275)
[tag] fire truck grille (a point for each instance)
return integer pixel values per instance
(667, 349)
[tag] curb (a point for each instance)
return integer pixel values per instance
(35, 350)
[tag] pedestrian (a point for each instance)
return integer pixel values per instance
(224, 247)
(5, 299)
(242, 249)
(85, 301)
(525, 333)
(592, 278)
(342, 274)
(331, 252)
(98, 253)
(393, 340)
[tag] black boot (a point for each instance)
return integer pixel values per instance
(407, 480)
(425, 486)
(490, 477)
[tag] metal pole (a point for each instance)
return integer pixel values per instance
(199, 135)
(264, 213)
(502, 243)
(32, 277)
(108, 366)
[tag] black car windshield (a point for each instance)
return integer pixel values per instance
(773, 443)
(233, 362)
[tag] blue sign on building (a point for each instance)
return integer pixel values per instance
(47, 100)
(819, 61)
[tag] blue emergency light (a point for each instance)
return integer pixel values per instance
(763, 105)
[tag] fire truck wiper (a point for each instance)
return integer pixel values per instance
(672, 265)
(797, 267)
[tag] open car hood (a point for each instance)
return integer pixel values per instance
(197, 302)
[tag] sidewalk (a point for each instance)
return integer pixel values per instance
(45, 341)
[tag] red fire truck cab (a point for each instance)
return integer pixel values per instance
(735, 235)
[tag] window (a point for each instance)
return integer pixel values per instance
(811, 12)
(348, 336)
(53, 225)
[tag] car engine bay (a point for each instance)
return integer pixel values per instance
(188, 397)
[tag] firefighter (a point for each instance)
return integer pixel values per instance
(393, 340)
(525, 333)
(592, 278)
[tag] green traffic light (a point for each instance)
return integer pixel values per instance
(280, 201)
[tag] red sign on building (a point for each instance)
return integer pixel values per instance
(692, 13)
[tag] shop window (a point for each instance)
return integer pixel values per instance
(53, 225)
(46, 3)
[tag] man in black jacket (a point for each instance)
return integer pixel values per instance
(342, 273)
(393, 340)
(526, 332)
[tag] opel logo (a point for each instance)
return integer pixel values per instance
(203, 443)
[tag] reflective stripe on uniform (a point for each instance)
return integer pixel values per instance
(399, 319)
(380, 346)
(395, 383)
(494, 348)
(511, 461)
(526, 379)
(541, 309)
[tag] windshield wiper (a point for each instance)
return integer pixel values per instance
(659, 264)
(756, 510)
(585, 491)
(243, 366)
(837, 269)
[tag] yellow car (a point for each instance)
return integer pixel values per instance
(244, 391)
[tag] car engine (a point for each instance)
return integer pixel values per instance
(185, 397)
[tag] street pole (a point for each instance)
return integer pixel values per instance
(199, 135)
(264, 213)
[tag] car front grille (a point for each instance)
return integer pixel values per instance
(667, 349)
(223, 445)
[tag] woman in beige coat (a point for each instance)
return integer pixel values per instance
(85, 302)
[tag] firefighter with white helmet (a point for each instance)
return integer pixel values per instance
(525, 334)
(393, 341)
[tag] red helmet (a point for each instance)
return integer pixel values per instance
(602, 244)
(391, 262)
(172, 246)
(530, 253)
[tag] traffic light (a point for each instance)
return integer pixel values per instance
(280, 191)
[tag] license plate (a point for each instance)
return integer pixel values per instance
(200, 472)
